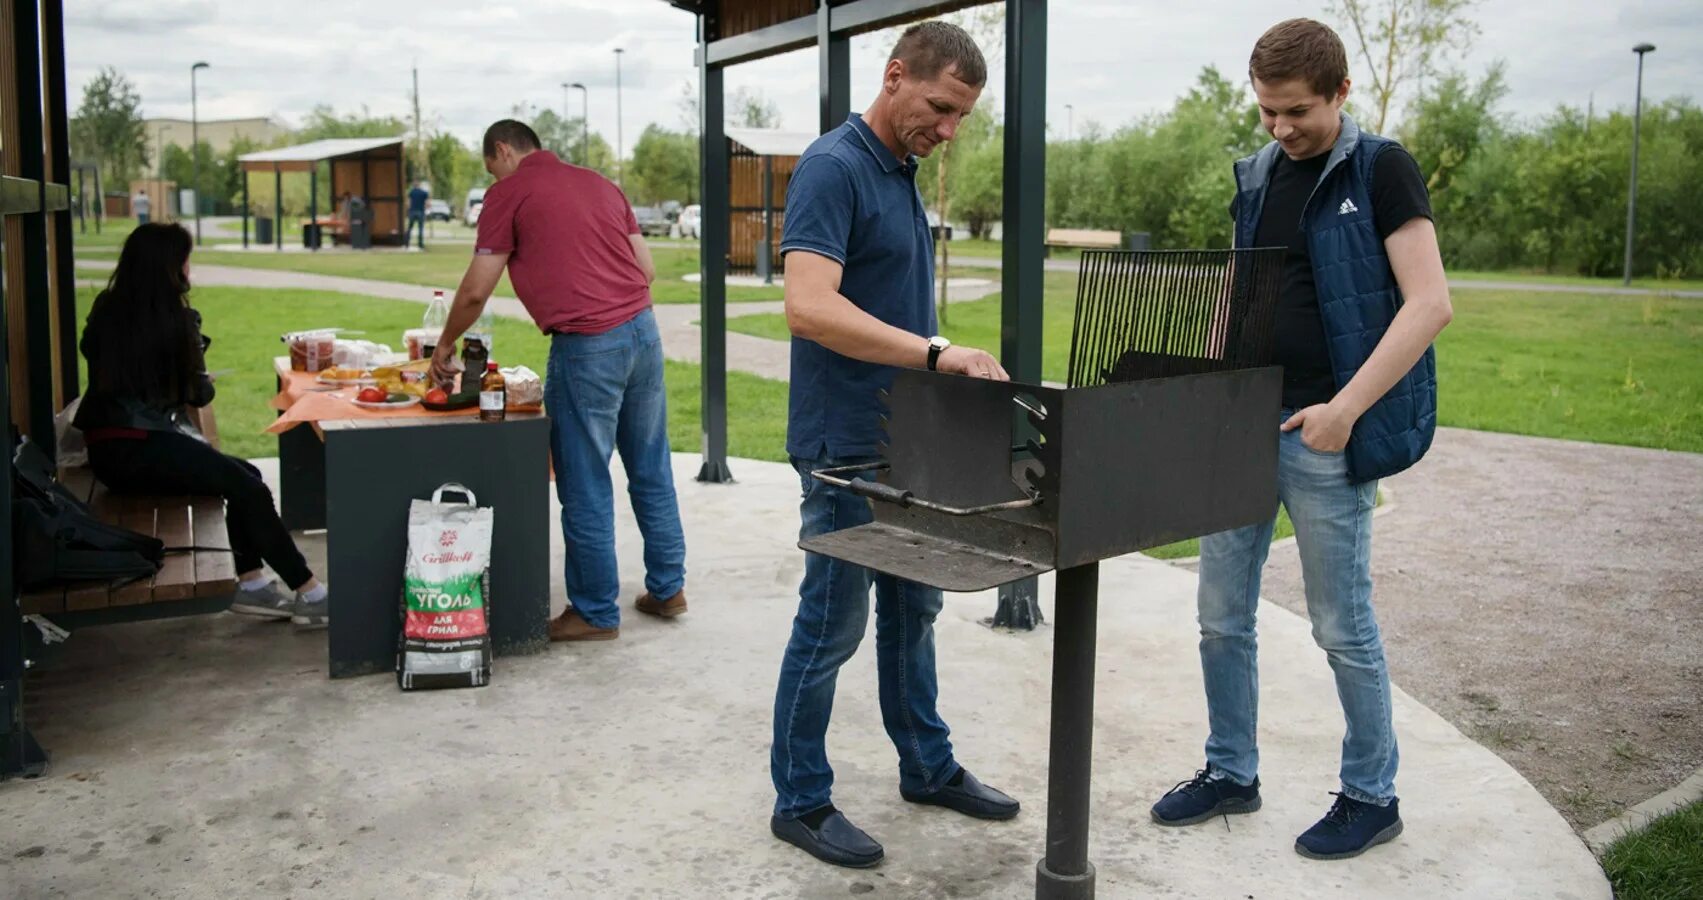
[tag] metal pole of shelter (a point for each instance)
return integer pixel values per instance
(278, 206)
(244, 206)
(766, 261)
(713, 262)
(833, 71)
(313, 206)
(38, 324)
(1024, 259)
(59, 142)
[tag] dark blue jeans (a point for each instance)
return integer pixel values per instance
(833, 612)
(605, 394)
(416, 223)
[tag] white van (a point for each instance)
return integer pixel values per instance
(470, 209)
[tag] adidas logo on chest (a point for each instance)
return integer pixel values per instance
(1346, 208)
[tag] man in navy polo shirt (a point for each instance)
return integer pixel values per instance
(860, 302)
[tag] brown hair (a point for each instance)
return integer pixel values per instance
(518, 135)
(928, 48)
(1300, 49)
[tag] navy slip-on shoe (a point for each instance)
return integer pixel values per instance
(1205, 797)
(970, 797)
(1350, 829)
(835, 841)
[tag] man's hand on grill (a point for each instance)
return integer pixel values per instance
(1324, 426)
(972, 362)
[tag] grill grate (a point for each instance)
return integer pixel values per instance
(1159, 313)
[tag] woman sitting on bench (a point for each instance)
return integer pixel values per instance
(146, 363)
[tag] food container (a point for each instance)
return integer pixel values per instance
(312, 351)
(417, 339)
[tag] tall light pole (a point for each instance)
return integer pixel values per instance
(1632, 191)
(194, 147)
(1069, 122)
(584, 122)
(620, 167)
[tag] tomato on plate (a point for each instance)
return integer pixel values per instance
(371, 395)
(437, 396)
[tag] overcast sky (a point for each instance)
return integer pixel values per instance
(1112, 60)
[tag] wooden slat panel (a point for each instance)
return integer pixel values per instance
(50, 601)
(141, 522)
(176, 578)
(88, 595)
(215, 573)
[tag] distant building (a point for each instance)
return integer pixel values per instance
(216, 133)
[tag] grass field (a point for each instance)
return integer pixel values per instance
(1664, 861)
(245, 324)
(1613, 370)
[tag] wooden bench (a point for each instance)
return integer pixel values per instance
(177, 521)
(1083, 237)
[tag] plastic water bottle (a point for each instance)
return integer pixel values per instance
(437, 313)
(483, 330)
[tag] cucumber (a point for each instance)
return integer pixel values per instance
(396, 398)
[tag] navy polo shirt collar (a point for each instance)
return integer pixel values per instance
(883, 156)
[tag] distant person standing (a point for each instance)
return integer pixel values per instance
(417, 198)
(143, 207)
(573, 251)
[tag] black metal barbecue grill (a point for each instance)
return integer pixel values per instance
(1168, 430)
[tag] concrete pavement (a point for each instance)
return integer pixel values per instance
(210, 757)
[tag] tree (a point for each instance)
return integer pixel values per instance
(108, 128)
(565, 137)
(1450, 121)
(323, 122)
(751, 109)
(1403, 40)
(664, 167)
(452, 167)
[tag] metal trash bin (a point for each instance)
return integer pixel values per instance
(311, 235)
(1138, 240)
(1167, 431)
(360, 224)
(262, 231)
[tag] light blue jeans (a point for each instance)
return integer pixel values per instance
(1333, 530)
(605, 394)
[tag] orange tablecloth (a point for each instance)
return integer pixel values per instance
(304, 399)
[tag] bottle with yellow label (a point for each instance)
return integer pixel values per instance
(493, 395)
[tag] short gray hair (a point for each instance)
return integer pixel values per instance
(929, 48)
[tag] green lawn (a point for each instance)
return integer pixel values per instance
(245, 324)
(1584, 367)
(442, 265)
(1659, 284)
(1662, 862)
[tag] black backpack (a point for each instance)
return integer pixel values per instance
(56, 539)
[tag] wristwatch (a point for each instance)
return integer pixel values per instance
(936, 346)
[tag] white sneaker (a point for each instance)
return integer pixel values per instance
(271, 601)
(311, 615)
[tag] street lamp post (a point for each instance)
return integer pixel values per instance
(1632, 190)
(1069, 122)
(620, 167)
(584, 123)
(194, 146)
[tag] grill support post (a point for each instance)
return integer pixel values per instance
(1065, 873)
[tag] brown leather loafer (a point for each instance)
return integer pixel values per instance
(570, 627)
(662, 609)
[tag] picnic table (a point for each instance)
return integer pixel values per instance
(354, 471)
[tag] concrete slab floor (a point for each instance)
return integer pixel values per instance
(211, 757)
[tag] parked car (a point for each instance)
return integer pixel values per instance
(689, 222)
(652, 222)
(470, 210)
(439, 210)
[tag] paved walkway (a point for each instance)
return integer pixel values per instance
(210, 757)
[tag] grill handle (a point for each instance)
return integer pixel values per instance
(887, 493)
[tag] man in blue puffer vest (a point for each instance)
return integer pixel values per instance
(1363, 296)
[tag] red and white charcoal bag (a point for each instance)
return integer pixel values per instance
(446, 639)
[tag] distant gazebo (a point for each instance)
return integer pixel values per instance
(760, 163)
(369, 168)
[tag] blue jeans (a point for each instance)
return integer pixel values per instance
(833, 611)
(605, 393)
(1333, 530)
(415, 221)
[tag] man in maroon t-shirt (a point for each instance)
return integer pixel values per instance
(580, 266)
